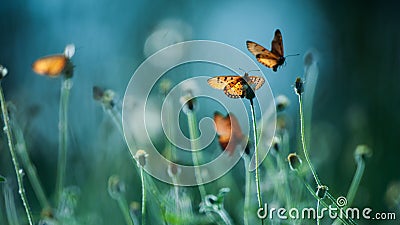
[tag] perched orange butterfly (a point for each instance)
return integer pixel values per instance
(237, 86)
(54, 65)
(271, 59)
(229, 133)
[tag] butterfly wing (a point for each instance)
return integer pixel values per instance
(50, 65)
(220, 82)
(257, 49)
(234, 89)
(222, 125)
(229, 132)
(256, 82)
(264, 56)
(277, 44)
(237, 134)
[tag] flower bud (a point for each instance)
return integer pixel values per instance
(362, 152)
(105, 97)
(165, 86)
(392, 196)
(281, 102)
(281, 121)
(294, 161)
(116, 187)
(299, 86)
(321, 191)
(141, 157)
(276, 143)
(174, 170)
(188, 102)
(3, 72)
(134, 206)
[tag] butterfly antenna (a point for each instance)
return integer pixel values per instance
(292, 55)
(244, 71)
(252, 71)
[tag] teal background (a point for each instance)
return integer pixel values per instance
(357, 101)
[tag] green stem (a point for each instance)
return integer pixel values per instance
(341, 209)
(312, 192)
(9, 205)
(29, 167)
(170, 147)
(303, 142)
(253, 116)
(355, 182)
(63, 135)
(246, 208)
(176, 191)
(224, 216)
(143, 197)
(18, 171)
(284, 151)
(151, 186)
(123, 205)
(194, 134)
(116, 118)
(311, 76)
(318, 205)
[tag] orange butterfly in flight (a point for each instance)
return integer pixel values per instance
(54, 65)
(271, 59)
(229, 133)
(237, 86)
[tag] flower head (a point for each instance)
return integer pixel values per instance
(174, 170)
(141, 157)
(281, 102)
(294, 161)
(321, 191)
(3, 72)
(116, 187)
(276, 143)
(362, 152)
(165, 86)
(299, 86)
(104, 96)
(189, 102)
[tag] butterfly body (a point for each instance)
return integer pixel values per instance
(271, 59)
(237, 86)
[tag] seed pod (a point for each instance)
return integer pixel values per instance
(174, 170)
(116, 187)
(362, 152)
(140, 157)
(281, 102)
(188, 102)
(294, 161)
(299, 86)
(3, 72)
(321, 191)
